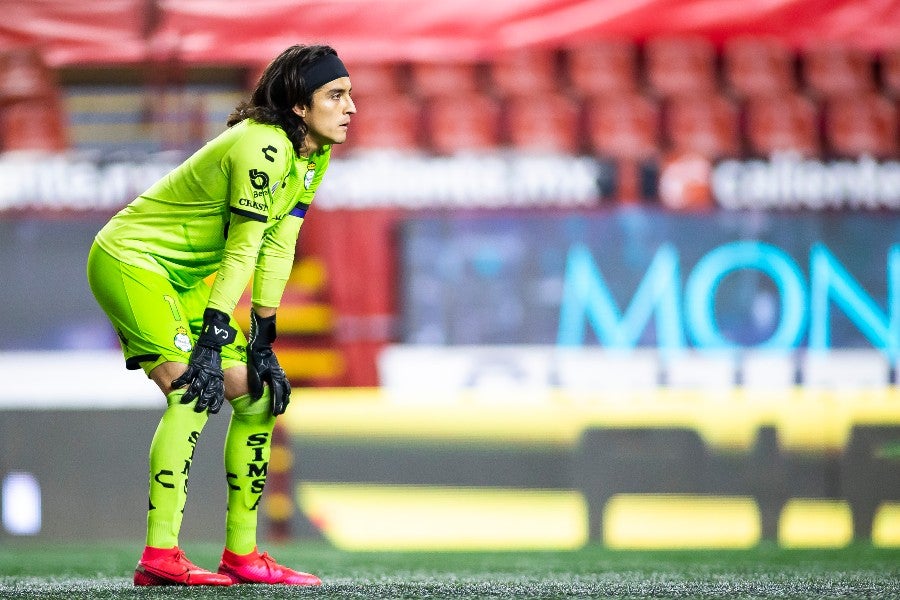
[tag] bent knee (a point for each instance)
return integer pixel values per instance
(236, 382)
(165, 373)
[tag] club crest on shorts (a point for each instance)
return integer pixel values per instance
(182, 340)
(310, 175)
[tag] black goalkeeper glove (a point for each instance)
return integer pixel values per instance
(263, 367)
(204, 376)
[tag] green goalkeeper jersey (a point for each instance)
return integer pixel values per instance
(235, 207)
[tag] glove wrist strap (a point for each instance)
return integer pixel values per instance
(217, 331)
(262, 330)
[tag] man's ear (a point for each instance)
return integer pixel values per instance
(300, 111)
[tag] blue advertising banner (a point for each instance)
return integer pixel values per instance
(636, 278)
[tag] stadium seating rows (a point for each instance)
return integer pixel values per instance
(751, 96)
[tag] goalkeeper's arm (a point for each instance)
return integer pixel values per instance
(273, 267)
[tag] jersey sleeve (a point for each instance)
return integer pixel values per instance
(245, 236)
(255, 167)
(276, 259)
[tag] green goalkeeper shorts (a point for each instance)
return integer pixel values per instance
(156, 322)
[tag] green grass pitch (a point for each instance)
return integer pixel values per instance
(97, 571)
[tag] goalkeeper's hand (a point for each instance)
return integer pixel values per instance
(204, 378)
(262, 365)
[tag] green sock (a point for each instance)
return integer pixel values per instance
(171, 453)
(248, 446)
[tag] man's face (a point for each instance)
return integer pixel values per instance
(329, 115)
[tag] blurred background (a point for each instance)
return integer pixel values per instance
(621, 272)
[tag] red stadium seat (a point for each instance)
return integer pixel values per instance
(603, 67)
(441, 78)
(755, 65)
(625, 129)
(705, 125)
(385, 121)
(542, 123)
(623, 126)
(861, 125)
(30, 125)
(783, 123)
(31, 114)
(375, 78)
(890, 71)
(462, 123)
(678, 65)
(24, 75)
(835, 70)
(525, 71)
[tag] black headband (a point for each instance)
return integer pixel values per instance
(326, 68)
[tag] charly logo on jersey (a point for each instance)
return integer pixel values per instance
(182, 340)
(310, 174)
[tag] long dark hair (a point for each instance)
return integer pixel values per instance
(280, 88)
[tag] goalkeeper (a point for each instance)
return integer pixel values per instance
(235, 209)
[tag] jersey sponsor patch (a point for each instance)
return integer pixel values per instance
(259, 179)
(310, 174)
(253, 204)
